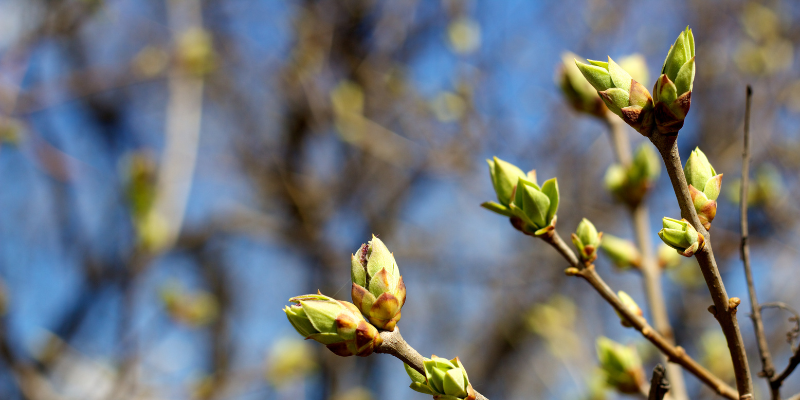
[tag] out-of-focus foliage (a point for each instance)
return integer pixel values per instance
(174, 171)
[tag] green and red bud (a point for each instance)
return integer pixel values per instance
(587, 240)
(681, 236)
(623, 253)
(672, 93)
(444, 379)
(378, 289)
(622, 94)
(621, 366)
(338, 325)
(704, 186)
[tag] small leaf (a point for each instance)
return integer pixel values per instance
(598, 77)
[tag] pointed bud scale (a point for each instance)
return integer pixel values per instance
(698, 169)
(587, 240)
(623, 95)
(681, 236)
(444, 379)
(672, 94)
(623, 253)
(337, 324)
(621, 366)
(378, 290)
(631, 305)
(576, 89)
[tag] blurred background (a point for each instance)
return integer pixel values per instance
(174, 171)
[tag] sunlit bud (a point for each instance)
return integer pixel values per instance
(587, 240)
(378, 289)
(631, 305)
(667, 257)
(535, 207)
(444, 379)
(681, 236)
(672, 93)
(622, 94)
(704, 186)
(621, 366)
(504, 179)
(623, 253)
(338, 325)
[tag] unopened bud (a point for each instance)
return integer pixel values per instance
(378, 289)
(623, 253)
(704, 186)
(621, 365)
(631, 305)
(681, 236)
(587, 240)
(444, 379)
(672, 94)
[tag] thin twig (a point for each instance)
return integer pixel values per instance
(768, 370)
(394, 344)
(674, 354)
(659, 385)
(725, 309)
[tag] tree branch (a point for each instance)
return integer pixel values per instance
(651, 271)
(724, 308)
(394, 344)
(659, 385)
(767, 367)
(674, 354)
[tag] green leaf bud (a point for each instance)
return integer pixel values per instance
(504, 178)
(681, 236)
(576, 89)
(704, 186)
(535, 207)
(631, 305)
(337, 324)
(587, 240)
(621, 366)
(672, 94)
(444, 379)
(623, 253)
(623, 95)
(378, 289)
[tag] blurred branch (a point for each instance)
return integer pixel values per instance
(675, 354)
(768, 370)
(725, 310)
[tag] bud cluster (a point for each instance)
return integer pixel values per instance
(666, 109)
(444, 379)
(532, 208)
